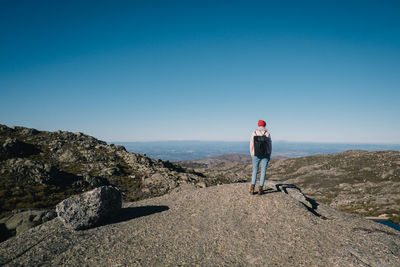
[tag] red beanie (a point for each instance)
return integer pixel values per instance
(262, 123)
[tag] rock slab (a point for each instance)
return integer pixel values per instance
(89, 209)
(213, 226)
(22, 220)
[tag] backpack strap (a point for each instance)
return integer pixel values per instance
(255, 133)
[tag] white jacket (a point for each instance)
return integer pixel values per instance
(260, 131)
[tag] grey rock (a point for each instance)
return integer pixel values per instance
(110, 171)
(94, 181)
(23, 220)
(201, 184)
(89, 209)
(32, 171)
(29, 131)
(11, 144)
(67, 156)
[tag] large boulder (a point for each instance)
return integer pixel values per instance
(89, 209)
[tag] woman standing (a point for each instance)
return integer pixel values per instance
(260, 150)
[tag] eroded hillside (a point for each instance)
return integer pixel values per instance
(39, 169)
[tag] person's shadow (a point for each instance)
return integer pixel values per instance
(130, 213)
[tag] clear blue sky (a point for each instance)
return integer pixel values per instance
(203, 70)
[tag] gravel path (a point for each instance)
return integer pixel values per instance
(215, 226)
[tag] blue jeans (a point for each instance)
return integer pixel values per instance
(264, 164)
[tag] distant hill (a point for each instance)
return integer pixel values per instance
(207, 162)
(224, 158)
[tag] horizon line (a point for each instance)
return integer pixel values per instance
(280, 141)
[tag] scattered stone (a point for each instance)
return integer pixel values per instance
(29, 131)
(68, 157)
(110, 171)
(89, 209)
(201, 184)
(95, 181)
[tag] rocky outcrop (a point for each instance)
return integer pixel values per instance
(215, 226)
(22, 220)
(89, 209)
(39, 169)
(31, 171)
(15, 148)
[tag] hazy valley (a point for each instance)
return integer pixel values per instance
(193, 150)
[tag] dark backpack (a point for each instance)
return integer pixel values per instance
(261, 146)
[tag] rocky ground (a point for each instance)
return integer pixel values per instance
(215, 226)
(361, 182)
